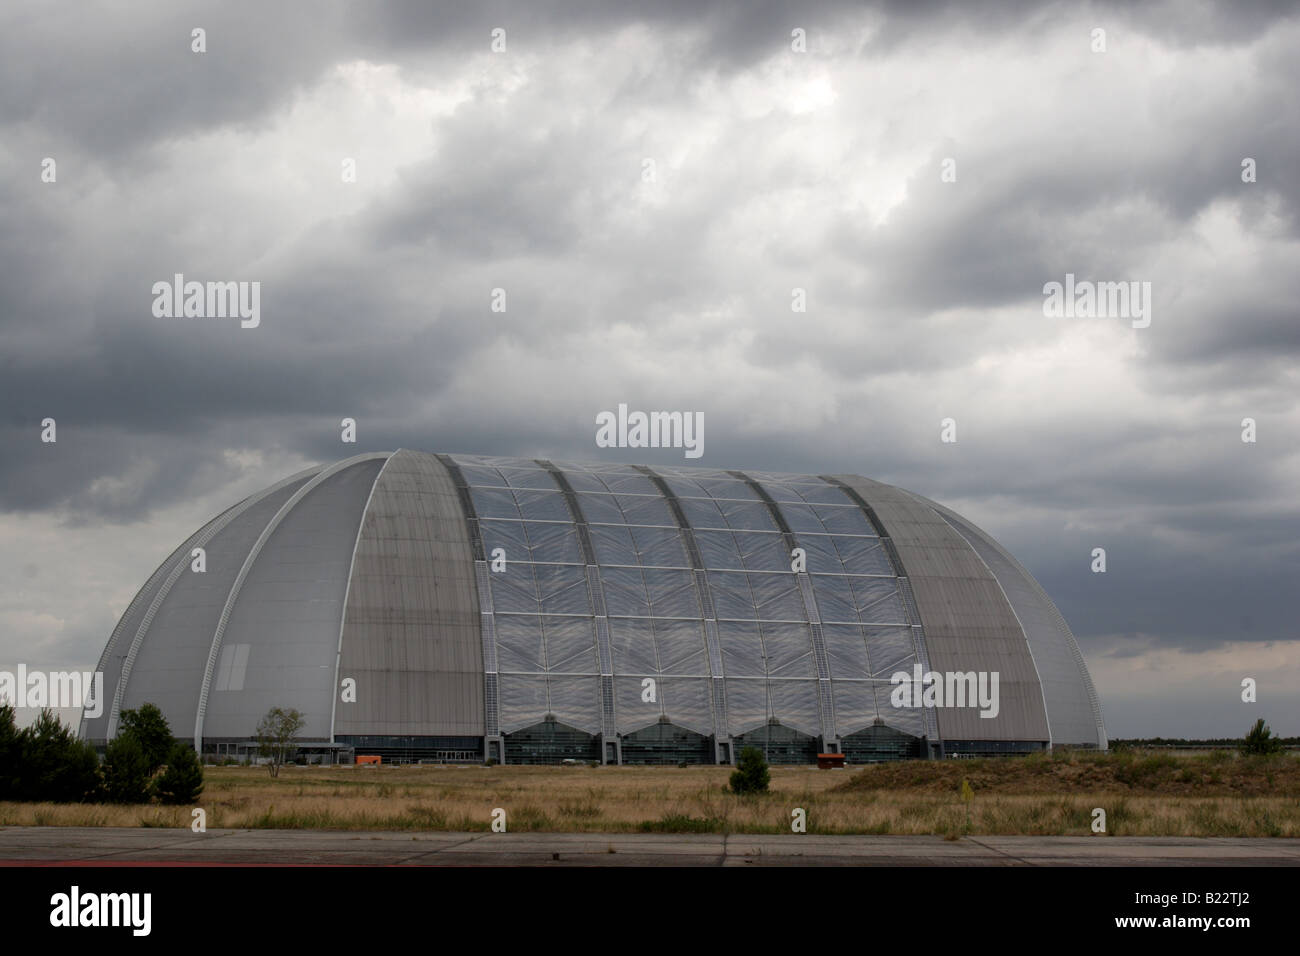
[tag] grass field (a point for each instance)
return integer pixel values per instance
(1143, 794)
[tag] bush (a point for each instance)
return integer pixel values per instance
(1260, 740)
(751, 774)
(45, 761)
(149, 727)
(182, 781)
(126, 771)
(11, 754)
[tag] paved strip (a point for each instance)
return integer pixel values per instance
(20, 846)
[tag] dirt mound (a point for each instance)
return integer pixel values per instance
(1217, 774)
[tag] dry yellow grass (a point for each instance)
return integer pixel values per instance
(626, 799)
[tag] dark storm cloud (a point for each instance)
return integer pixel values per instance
(676, 296)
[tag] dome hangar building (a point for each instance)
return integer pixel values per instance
(459, 608)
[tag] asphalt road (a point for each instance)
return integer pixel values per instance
(44, 846)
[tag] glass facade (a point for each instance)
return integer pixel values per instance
(625, 598)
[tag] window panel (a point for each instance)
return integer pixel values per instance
(672, 593)
(909, 720)
(823, 558)
(795, 704)
(718, 549)
(780, 490)
(640, 510)
(855, 705)
(526, 477)
(702, 513)
(731, 595)
(742, 649)
(727, 488)
(777, 597)
(634, 713)
(684, 487)
(632, 643)
(788, 648)
(890, 649)
(583, 480)
(624, 592)
(846, 651)
(480, 475)
(763, 552)
(554, 542)
(660, 547)
(520, 646)
(523, 700)
(746, 704)
(846, 520)
(543, 505)
(877, 600)
(686, 702)
(834, 598)
(602, 509)
(823, 492)
(681, 647)
(514, 589)
(576, 701)
(863, 555)
(507, 535)
(748, 515)
(802, 519)
(613, 544)
(562, 588)
(494, 503)
(571, 645)
(631, 484)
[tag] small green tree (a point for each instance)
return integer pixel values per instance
(277, 736)
(751, 774)
(182, 781)
(1260, 740)
(11, 754)
(52, 764)
(148, 725)
(126, 771)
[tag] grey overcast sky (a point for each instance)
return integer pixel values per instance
(773, 170)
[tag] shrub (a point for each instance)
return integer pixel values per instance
(751, 774)
(126, 771)
(1260, 740)
(182, 781)
(46, 761)
(277, 736)
(11, 754)
(149, 727)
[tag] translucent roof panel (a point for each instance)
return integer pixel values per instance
(546, 623)
(548, 542)
(502, 472)
(659, 547)
(841, 519)
(799, 489)
(613, 544)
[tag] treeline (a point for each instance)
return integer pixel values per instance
(46, 762)
(1226, 742)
